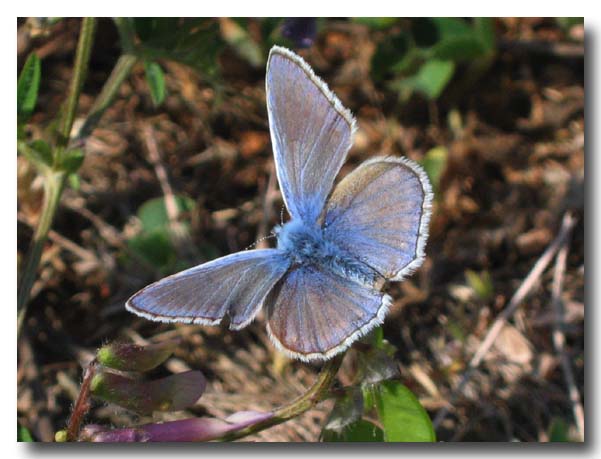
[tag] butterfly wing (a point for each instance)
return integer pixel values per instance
(380, 213)
(314, 314)
(311, 133)
(236, 284)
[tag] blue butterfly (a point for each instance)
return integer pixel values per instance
(321, 286)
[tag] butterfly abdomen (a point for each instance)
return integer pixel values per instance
(306, 245)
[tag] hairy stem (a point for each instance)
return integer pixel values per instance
(82, 404)
(317, 392)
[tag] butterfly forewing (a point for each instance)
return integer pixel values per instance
(315, 314)
(380, 213)
(235, 285)
(311, 133)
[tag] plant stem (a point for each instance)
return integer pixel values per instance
(126, 34)
(55, 180)
(82, 58)
(108, 93)
(53, 188)
(317, 392)
(82, 404)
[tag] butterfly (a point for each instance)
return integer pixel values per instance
(321, 286)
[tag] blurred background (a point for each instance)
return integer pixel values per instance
(492, 108)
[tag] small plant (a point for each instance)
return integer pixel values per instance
(376, 407)
(172, 393)
(422, 54)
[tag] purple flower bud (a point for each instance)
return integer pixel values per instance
(173, 393)
(302, 31)
(184, 430)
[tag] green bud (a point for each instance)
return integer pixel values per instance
(132, 357)
(60, 436)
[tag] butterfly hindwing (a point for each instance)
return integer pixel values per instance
(380, 214)
(314, 314)
(311, 133)
(236, 285)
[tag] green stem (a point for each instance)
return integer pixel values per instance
(126, 34)
(109, 91)
(317, 392)
(53, 188)
(82, 58)
(54, 182)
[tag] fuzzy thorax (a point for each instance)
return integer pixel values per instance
(307, 246)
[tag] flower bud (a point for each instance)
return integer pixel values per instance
(132, 357)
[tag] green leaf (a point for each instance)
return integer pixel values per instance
(27, 88)
(23, 434)
(156, 82)
(74, 181)
(485, 28)
(155, 247)
(424, 32)
(195, 42)
(434, 163)
(21, 133)
(456, 331)
(375, 337)
(72, 160)
(458, 40)
(395, 55)
(369, 396)
(430, 80)
(568, 22)
(481, 284)
(559, 431)
(376, 23)
(450, 27)
(154, 243)
(271, 31)
(153, 213)
(401, 414)
(460, 48)
(359, 431)
(38, 152)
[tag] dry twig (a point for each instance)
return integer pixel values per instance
(521, 293)
(180, 234)
(559, 338)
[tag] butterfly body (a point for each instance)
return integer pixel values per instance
(321, 286)
(310, 246)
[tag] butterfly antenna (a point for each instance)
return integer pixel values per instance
(260, 240)
(282, 215)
